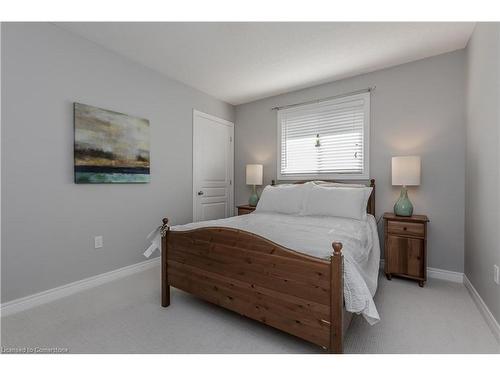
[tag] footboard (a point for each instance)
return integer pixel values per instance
(248, 274)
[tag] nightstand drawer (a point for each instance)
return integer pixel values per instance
(245, 209)
(403, 228)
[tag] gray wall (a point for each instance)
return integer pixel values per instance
(48, 223)
(417, 108)
(482, 223)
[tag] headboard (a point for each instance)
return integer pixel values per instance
(370, 207)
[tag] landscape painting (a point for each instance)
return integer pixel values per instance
(110, 147)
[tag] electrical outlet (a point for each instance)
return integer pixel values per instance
(496, 274)
(98, 242)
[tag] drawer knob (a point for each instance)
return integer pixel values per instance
(404, 228)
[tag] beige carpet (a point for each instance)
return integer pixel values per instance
(125, 317)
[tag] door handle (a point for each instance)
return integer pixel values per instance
(200, 192)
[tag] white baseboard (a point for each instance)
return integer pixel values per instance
(485, 311)
(28, 302)
(437, 273)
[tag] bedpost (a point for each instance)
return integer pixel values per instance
(371, 204)
(336, 299)
(165, 287)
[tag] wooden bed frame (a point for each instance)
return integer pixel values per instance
(243, 272)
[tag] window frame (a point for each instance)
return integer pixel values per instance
(365, 175)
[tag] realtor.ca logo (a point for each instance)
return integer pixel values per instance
(33, 350)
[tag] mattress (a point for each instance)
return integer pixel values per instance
(314, 236)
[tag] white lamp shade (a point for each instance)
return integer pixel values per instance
(406, 170)
(254, 174)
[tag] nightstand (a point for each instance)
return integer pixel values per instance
(405, 245)
(245, 209)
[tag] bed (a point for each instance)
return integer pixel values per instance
(304, 275)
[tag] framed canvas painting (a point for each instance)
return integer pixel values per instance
(110, 147)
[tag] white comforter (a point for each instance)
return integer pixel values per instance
(314, 236)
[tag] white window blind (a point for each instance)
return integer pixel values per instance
(326, 140)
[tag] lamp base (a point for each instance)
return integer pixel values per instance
(403, 206)
(254, 198)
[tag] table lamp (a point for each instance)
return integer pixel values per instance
(405, 172)
(254, 177)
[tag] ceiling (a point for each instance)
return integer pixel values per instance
(243, 62)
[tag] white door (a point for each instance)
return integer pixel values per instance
(212, 167)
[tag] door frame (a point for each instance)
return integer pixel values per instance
(229, 124)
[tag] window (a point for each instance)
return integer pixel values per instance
(329, 139)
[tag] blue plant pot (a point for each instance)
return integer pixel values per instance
(403, 206)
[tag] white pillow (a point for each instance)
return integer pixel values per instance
(337, 201)
(367, 189)
(285, 199)
(338, 184)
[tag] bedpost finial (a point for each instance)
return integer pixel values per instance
(337, 248)
(165, 227)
